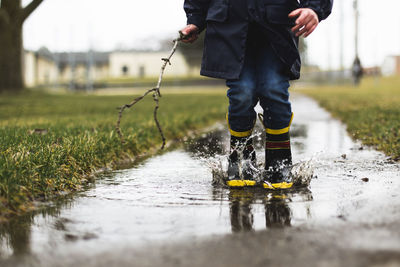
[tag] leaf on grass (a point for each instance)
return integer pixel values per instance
(38, 131)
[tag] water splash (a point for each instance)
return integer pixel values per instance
(219, 169)
(212, 150)
(301, 173)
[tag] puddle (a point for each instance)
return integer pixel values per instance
(170, 197)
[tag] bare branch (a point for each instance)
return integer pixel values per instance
(156, 95)
(156, 100)
(121, 110)
(27, 11)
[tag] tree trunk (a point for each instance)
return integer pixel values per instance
(12, 17)
(11, 78)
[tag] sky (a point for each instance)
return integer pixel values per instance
(104, 25)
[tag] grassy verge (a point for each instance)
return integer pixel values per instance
(78, 137)
(371, 111)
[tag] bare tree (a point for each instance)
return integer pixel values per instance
(12, 17)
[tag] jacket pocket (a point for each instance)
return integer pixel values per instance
(218, 11)
(279, 14)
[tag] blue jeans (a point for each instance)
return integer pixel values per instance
(262, 79)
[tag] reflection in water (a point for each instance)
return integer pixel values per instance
(277, 210)
(16, 234)
(240, 210)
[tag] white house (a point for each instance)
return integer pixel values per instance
(39, 68)
(391, 66)
(43, 68)
(147, 64)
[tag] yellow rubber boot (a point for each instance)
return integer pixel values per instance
(242, 162)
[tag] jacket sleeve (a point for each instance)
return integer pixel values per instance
(196, 12)
(323, 8)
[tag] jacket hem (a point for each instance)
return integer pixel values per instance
(218, 75)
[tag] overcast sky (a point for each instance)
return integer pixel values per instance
(65, 25)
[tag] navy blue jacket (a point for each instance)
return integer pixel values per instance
(227, 23)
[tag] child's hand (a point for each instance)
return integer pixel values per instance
(306, 22)
(192, 31)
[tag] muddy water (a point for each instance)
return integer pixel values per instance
(170, 198)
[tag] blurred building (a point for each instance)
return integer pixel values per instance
(142, 64)
(39, 68)
(80, 67)
(391, 66)
(44, 68)
(372, 71)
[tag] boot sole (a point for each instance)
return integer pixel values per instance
(283, 185)
(241, 183)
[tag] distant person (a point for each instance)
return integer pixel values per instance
(357, 71)
(253, 45)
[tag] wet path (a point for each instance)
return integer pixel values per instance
(169, 198)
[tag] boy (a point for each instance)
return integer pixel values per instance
(253, 45)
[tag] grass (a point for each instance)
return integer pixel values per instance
(371, 111)
(79, 137)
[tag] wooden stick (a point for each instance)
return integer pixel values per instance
(156, 95)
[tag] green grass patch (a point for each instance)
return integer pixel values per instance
(80, 137)
(371, 111)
